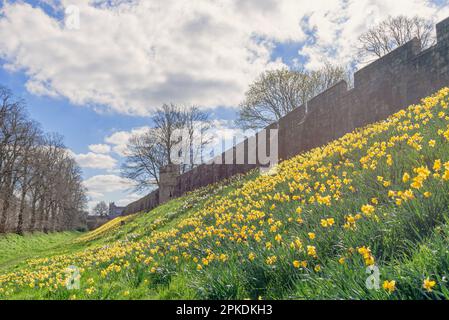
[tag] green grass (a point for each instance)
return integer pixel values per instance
(243, 238)
(15, 249)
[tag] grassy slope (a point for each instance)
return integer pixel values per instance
(376, 196)
(15, 249)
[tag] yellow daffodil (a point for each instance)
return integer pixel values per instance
(389, 286)
(429, 284)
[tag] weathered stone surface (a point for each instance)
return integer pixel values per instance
(168, 182)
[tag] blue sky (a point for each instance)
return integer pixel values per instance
(99, 83)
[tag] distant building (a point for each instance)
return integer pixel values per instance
(94, 222)
(115, 211)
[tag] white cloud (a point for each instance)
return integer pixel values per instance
(336, 32)
(94, 160)
(100, 148)
(107, 184)
(95, 195)
(120, 139)
(134, 57)
(128, 199)
(131, 56)
(109, 188)
(220, 131)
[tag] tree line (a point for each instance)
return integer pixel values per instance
(40, 183)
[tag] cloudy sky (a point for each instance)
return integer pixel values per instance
(98, 82)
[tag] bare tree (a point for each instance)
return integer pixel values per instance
(101, 209)
(175, 129)
(144, 156)
(27, 171)
(40, 185)
(196, 124)
(52, 164)
(168, 120)
(395, 32)
(276, 93)
(13, 138)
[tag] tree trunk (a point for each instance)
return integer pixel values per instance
(21, 210)
(33, 224)
(42, 214)
(45, 221)
(7, 194)
(54, 217)
(4, 215)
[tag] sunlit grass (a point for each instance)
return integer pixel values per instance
(15, 248)
(378, 197)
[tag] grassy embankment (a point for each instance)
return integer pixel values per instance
(376, 197)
